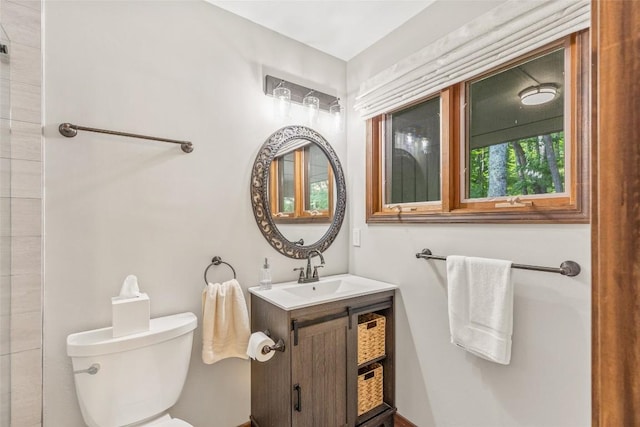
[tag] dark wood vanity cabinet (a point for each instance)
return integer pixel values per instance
(319, 375)
(314, 382)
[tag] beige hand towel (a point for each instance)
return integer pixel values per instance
(225, 322)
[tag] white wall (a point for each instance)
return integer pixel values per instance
(117, 206)
(548, 380)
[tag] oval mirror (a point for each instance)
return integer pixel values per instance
(298, 191)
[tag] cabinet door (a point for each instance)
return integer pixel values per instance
(319, 375)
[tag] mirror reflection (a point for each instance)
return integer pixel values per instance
(301, 191)
(301, 184)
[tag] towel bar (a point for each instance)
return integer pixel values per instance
(70, 130)
(567, 268)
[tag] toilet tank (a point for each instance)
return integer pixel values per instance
(139, 376)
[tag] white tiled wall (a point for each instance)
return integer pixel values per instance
(21, 20)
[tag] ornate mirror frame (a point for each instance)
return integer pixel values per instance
(260, 191)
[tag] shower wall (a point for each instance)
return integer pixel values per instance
(21, 216)
(5, 231)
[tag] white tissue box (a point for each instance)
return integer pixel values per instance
(130, 315)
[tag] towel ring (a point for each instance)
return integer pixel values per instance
(217, 261)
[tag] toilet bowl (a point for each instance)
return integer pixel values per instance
(131, 381)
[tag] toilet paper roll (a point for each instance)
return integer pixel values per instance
(257, 341)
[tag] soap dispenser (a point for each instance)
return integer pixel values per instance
(265, 276)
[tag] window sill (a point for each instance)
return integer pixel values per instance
(524, 215)
(303, 220)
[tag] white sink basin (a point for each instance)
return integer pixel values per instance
(292, 295)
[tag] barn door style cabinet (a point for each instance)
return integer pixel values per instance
(317, 380)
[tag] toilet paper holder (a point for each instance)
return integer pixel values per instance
(279, 345)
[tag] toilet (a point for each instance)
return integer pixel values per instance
(134, 379)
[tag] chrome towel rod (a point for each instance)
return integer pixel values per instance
(70, 130)
(567, 268)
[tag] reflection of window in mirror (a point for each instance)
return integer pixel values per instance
(507, 144)
(301, 186)
(286, 183)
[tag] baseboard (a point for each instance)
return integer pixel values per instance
(400, 421)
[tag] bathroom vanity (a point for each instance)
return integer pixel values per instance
(314, 382)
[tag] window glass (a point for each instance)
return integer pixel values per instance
(517, 142)
(412, 154)
(317, 179)
(286, 183)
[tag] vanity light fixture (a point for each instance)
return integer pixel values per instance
(295, 93)
(282, 97)
(312, 105)
(537, 95)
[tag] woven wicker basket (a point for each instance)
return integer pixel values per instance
(371, 334)
(369, 387)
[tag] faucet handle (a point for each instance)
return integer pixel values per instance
(301, 270)
(315, 269)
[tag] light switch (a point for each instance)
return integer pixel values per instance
(356, 237)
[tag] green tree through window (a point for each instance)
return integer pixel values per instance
(533, 165)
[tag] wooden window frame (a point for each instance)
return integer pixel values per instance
(572, 208)
(300, 215)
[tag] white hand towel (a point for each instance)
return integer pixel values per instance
(481, 306)
(225, 322)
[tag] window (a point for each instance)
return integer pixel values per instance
(506, 145)
(412, 158)
(301, 185)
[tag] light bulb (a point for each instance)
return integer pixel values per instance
(282, 97)
(335, 110)
(312, 104)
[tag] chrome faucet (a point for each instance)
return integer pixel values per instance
(306, 276)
